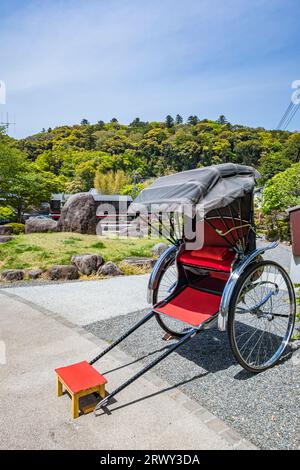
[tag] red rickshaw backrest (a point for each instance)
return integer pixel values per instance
(206, 231)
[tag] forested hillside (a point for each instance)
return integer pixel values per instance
(151, 149)
(68, 158)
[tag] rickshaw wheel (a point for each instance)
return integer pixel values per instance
(261, 316)
(166, 284)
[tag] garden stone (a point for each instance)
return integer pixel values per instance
(295, 344)
(158, 249)
(88, 263)
(62, 272)
(110, 269)
(35, 273)
(12, 275)
(139, 262)
(6, 230)
(79, 214)
(5, 238)
(35, 225)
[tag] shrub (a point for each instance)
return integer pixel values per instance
(17, 228)
(284, 230)
(272, 235)
(6, 213)
(282, 191)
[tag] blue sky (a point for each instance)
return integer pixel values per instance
(67, 60)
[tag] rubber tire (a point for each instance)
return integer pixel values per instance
(157, 316)
(233, 301)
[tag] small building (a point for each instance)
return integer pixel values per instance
(104, 203)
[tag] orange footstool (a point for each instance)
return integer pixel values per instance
(79, 379)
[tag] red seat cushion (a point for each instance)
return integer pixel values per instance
(80, 376)
(213, 257)
(192, 306)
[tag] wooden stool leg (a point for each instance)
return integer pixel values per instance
(75, 406)
(102, 391)
(59, 388)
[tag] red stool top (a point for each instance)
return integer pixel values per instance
(80, 376)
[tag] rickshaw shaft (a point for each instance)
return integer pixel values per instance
(131, 330)
(192, 332)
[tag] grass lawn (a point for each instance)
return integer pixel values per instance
(41, 250)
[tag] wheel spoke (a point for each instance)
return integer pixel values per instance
(263, 316)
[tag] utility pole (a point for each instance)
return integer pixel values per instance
(7, 123)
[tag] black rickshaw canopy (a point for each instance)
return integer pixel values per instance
(215, 187)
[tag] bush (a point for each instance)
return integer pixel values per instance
(282, 191)
(6, 213)
(272, 235)
(17, 228)
(284, 230)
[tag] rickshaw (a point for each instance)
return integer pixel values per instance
(213, 273)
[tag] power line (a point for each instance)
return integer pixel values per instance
(287, 111)
(291, 116)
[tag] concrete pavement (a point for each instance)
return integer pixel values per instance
(147, 415)
(88, 301)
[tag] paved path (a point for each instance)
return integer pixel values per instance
(89, 301)
(148, 415)
(37, 326)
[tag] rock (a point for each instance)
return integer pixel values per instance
(33, 225)
(35, 273)
(4, 238)
(79, 214)
(295, 344)
(158, 249)
(88, 263)
(6, 230)
(66, 272)
(12, 275)
(109, 269)
(140, 262)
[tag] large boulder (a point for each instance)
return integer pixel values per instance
(34, 224)
(139, 262)
(62, 272)
(5, 238)
(158, 249)
(88, 263)
(12, 275)
(6, 230)
(109, 269)
(79, 214)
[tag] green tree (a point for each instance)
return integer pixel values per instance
(29, 189)
(169, 121)
(222, 119)
(291, 149)
(271, 164)
(248, 152)
(282, 191)
(21, 185)
(192, 120)
(178, 119)
(111, 182)
(84, 122)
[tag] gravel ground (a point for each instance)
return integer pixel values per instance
(264, 408)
